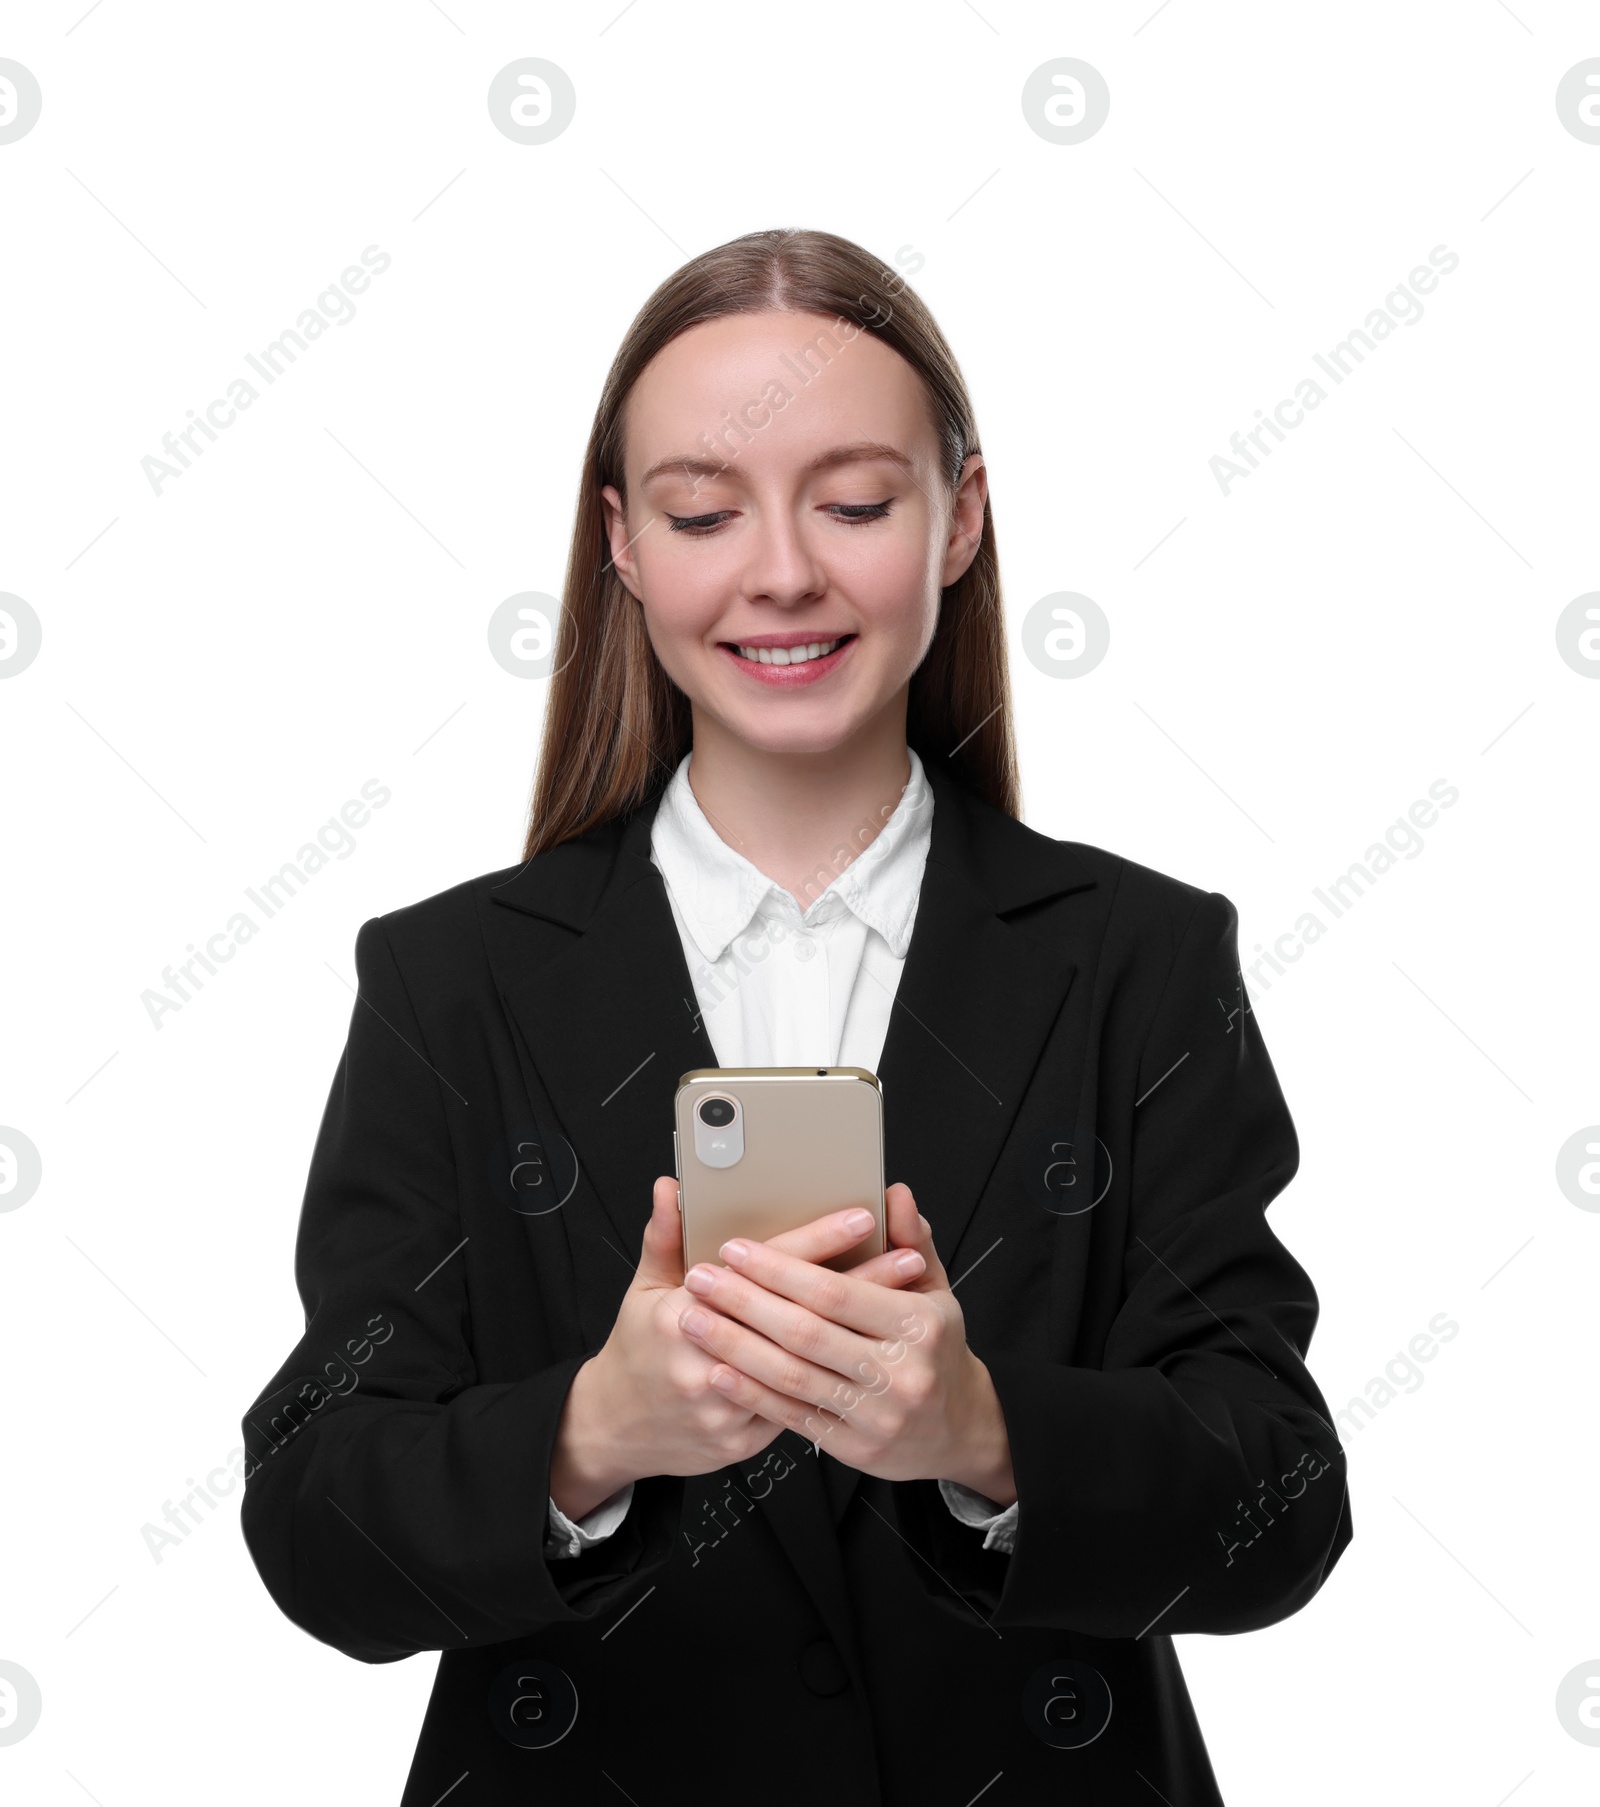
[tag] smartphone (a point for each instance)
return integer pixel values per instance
(761, 1150)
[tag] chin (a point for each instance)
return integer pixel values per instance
(775, 737)
(775, 725)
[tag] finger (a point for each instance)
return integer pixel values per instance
(909, 1229)
(825, 1236)
(778, 1294)
(822, 1363)
(842, 1370)
(882, 1271)
(816, 1424)
(661, 1252)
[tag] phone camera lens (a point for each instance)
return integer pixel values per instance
(717, 1112)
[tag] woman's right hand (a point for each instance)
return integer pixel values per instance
(645, 1404)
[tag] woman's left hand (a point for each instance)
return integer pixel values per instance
(881, 1377)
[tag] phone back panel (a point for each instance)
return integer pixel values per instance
(813, 1143)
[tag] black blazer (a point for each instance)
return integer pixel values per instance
(1077, 1092)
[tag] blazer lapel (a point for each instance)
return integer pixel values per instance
(606, 1006)
(977, 998)
(589, 963)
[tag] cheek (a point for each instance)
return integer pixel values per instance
(896, 591)
(680, 608)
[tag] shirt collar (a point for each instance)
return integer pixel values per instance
(718, 891)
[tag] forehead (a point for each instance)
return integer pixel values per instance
(795, 382)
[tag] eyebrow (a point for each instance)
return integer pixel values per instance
(859, 452)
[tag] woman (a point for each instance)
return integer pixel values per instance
(507, 1436)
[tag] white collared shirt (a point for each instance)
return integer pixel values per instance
(783, 986)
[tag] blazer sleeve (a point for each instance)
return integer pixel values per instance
(394, 1502)
(1191, 1482)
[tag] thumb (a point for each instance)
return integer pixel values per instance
(908, 1229)
(661, 1255)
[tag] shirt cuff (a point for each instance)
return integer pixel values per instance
(998, 1524)
(570, 1537)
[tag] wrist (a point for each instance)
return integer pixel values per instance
(585, 1466)
(982, 1459)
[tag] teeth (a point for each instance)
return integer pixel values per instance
(790, 655)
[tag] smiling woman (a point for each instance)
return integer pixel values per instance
(782, 457)
(815, 538)
(779, 739)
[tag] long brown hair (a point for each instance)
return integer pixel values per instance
(616, 726)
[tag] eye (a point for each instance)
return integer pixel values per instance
(853, 513)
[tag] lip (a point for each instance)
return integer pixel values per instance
(787, 677)
(790, 637)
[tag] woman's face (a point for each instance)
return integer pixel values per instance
(784, 491)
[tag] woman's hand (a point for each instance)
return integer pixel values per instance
(875, 1370)
(644, 1405)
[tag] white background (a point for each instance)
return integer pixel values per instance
(225, 663)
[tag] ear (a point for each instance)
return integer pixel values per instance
(620, 540)
(966, 523)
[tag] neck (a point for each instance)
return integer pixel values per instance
(801, 818)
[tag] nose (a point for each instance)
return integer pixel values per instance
(782, 567)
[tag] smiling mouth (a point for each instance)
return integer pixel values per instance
(789, 655)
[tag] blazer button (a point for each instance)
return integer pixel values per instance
(821, 1668)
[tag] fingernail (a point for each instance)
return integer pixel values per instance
(699, 1280)
(909, 1263)
(695, 1322)
(734, 1253)
(723, 1379)
(859, 1222)
(926, 1226)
